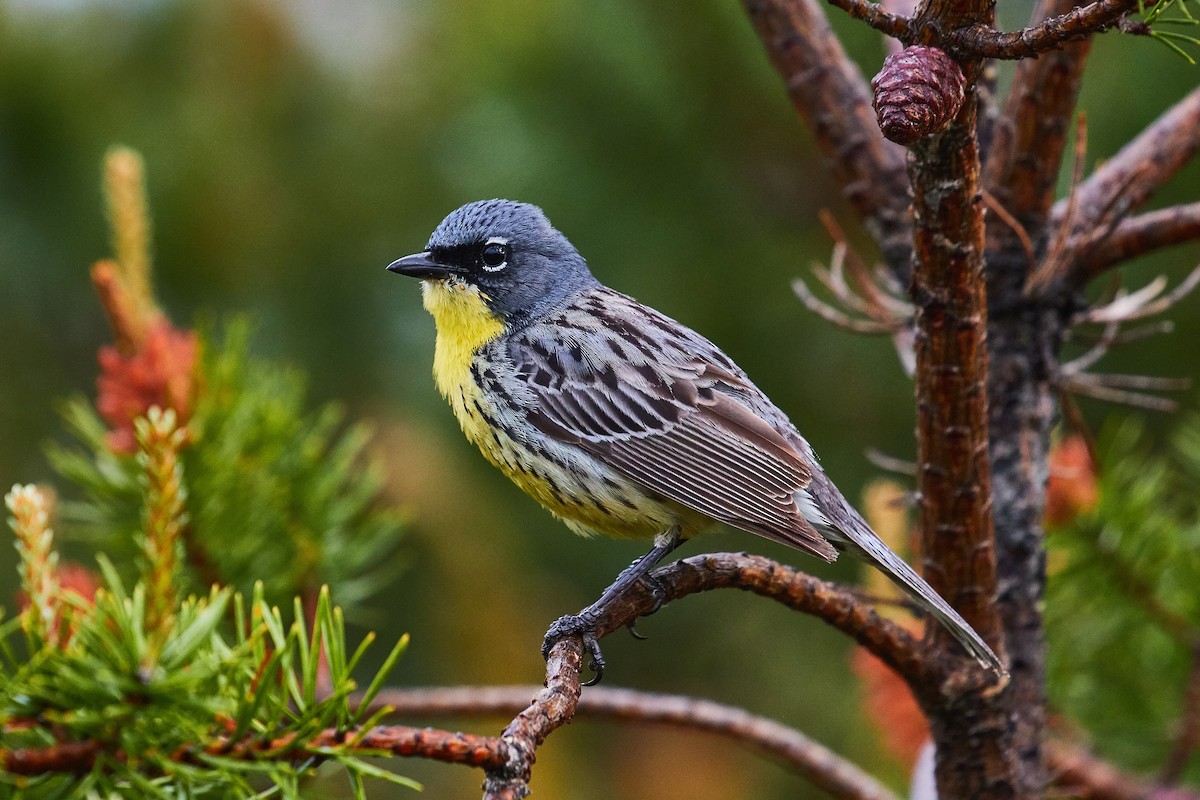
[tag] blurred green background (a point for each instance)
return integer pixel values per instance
(295, 147)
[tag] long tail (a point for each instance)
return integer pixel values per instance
(869, 547)
(848, 531)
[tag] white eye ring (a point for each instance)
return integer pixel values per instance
(495, 240)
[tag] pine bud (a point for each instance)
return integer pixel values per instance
(917, 92)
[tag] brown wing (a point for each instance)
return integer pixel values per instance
(674, 427)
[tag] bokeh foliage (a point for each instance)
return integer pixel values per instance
(280, 493)
(294, 148)
(1122, 606)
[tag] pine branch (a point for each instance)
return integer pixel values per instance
(160, 438)
(1073, 769)
(129, 217)
(30, 522)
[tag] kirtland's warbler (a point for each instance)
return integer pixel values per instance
(618, 419)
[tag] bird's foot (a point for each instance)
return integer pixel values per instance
(582, 625)
(657, 591)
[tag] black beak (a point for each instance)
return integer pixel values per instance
(420, 265)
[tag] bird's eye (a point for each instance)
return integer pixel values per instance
(495, 256)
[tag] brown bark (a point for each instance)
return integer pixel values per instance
(398, 740)
(948, 291)
(971, 730)
(975, 40)
(1022, 171)
(1126, 181)
(1139, 235)
(1089, 778)
(983, 41)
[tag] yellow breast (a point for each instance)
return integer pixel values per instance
(585, 500)
(464, 324)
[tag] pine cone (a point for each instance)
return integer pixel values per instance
(917, 92)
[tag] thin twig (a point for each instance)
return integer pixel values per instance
(1089, 385)
(877, 16)
(1150, 383)
(1145, 331)
(1097, 351)
(1013, 224)
(890, 463)
(1055, 261)
(1023, 174)
(1146, 302)
(822, 767)
(875, 301)
(832, 315)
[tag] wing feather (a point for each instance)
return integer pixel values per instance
(679, 424)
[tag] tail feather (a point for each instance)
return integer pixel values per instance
(828, 511)
(872, 549)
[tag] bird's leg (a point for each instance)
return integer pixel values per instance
(584, 623)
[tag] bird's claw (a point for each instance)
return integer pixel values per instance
(657, 591)
(583, 626)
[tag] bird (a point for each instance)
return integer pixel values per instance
(618, 419)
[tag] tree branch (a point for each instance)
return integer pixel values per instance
(948, 292)
(973, 733)
(1140, 235)
(878, 17)
(553, 707)
(1022, 171)
(398, 740)
(830, 93)
(921, 667)
(507, 760)
(972, 42)
(1127, 180)
(926, 672)
(1073, 769)
(822, 767)
(983, 41)
(1090, 778)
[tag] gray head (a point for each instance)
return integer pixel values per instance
(509, 250)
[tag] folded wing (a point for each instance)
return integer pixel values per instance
(676, 427)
